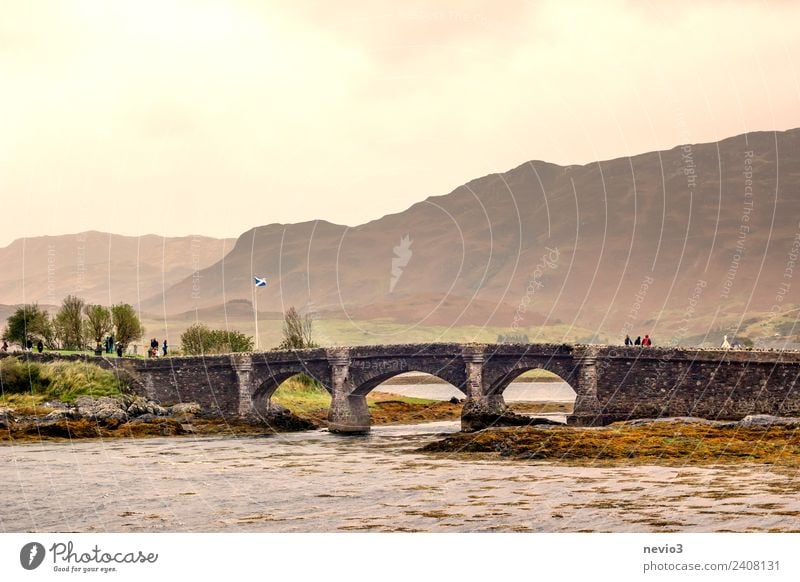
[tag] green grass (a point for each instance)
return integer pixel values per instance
(301, 397)
(309, 399)
(61, 380)
(91, 353)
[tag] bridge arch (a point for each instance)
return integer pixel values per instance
(501, 372)
(299, 393)
(537, 392)
(422, 377)
(267, 378)
(366, 383)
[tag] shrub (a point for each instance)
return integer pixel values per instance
(198, 339)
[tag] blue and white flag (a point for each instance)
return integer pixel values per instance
(260, 281)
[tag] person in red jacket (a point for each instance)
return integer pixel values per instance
(646, 341)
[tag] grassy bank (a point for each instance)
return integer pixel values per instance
(27, 383)
(664, 443)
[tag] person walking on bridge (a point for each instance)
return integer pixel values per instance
(638, 340)
(647, 341)
(628, 340)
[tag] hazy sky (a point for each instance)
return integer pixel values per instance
(179, 117)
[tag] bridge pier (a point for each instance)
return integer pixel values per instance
(248, 406)
(479, 407)
(587, 409)
(348, 413)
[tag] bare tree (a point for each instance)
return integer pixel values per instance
(296, 331)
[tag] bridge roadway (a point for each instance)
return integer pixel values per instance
(612, 383)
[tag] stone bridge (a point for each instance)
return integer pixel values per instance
(611, 383)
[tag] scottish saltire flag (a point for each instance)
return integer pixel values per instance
(260, 281)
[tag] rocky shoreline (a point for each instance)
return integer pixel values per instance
(670, 441)
(134, 416)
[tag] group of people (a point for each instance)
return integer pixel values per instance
(27, 347)
(639, 341)
(153, 352)
(112, 346)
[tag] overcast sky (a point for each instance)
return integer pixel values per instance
(180, 117)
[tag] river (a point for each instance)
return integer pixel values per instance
(320, 482)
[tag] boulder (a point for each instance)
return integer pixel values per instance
(478, 415)
(140, 405)
(146, 417)
(62, 414)
(104, 409)
(282, 419)
(767, 420)
(184, 409)
(667, 419)
(6, 417)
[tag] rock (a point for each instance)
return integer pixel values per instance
(477, 420)
(56, 415)
(6, 417)
(140, 405)
(478, 416)
(454, 400)
(56, 405)
(146, 417)
(103, 410)
(766, 420)
(667, 419)
(281, 419)
(184, 409)
(159, 410)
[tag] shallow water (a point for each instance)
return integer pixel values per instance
(320, 482)
(516, 391)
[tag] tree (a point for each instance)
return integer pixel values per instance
(127, 327)
(196, 340)
(296, 331)
(68, 323)
(98, 323)
(232, 341)
(199, 339)
(28, 322)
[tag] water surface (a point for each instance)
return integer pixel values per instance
(320, 482)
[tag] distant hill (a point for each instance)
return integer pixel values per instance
(677, 242)
(642, 242)
(101, 267)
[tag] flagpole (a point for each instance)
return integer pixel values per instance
(255, 311)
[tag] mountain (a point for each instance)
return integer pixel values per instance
(101, 267)
(692, 237)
